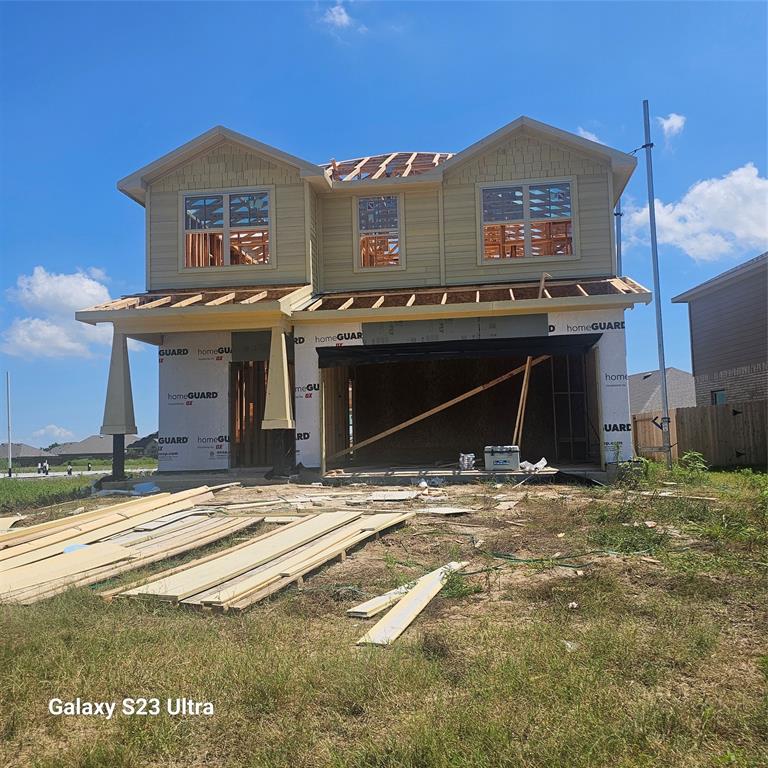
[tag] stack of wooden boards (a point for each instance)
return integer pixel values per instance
(409, 601)
(240, 576)
(41, 560)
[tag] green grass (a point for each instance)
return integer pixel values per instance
(18, 495)
(659, 664)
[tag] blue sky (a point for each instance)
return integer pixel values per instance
(91, 92)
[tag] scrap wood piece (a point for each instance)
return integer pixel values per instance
(438, 408)
(444, 511)
(6, 523)
(392, 496)
(380, 602)
(399, 618)
(197, 578)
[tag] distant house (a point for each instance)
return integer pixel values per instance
(144, 446)
(729, 334)
(645, 390)
(24, 454)
(94, 446)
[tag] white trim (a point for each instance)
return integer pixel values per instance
(526, 220)
(148, 241)
(227, 268)
(135, 184)
(356, 265)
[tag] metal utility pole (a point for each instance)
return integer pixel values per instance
(8, 412)
(648, 146)
(618, 214)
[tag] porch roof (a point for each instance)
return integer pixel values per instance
(473, 300)
(233, 308)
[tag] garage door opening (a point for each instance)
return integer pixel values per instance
(363, 399)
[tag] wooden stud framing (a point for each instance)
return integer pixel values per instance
(254, 298)
(351, 175)
(220, 300)
(189, 300)
(383, 167)
(156, 303)
(437, 409)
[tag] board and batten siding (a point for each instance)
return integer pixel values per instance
(420, 238)
(520, 158)
(227, 166)
(728, 328)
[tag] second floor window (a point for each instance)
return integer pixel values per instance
(378, 226)
(226, 230)
(524, 221)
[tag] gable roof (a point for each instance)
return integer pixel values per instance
(622, 164)
(645, 390)
(738, 272)
(424, 167)
(94, 445)
(24, 451)
(135, 184)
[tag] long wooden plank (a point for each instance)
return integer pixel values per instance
(123, 589)
(399, 618)
(68, 564)
(28, 532)
(110, 570)
(197, 578)
(293, 564)
(254, 597)
(86, 534)
(437, 409)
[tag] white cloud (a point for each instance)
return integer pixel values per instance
(714, 219)
(336, 16)
(54, 431)
(51, 300)
(672, 124)
(585, 134)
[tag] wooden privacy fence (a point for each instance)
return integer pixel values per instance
(731, 435)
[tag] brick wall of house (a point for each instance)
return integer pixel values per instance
(748, 382)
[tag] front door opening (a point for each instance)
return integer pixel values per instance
(249, 444)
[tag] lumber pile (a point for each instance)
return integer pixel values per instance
(41, 560)
(238, 577)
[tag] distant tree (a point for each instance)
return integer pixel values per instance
(52, 446)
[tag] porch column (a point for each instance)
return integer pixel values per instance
(119, 420)
(278, 414)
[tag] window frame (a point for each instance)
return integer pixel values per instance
(225, 193)
(713, 397)
(357, 261)
(529, 258)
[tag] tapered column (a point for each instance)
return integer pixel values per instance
(278, 413)
(118, 409)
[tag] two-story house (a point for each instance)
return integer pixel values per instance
(301, 310)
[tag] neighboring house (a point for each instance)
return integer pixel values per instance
(24, 455)
(645, 390)
(95, 446)
(728, 318)
(144, 446)
(299, 308)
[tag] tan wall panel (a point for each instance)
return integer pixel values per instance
(224, 167)
(421, 237)
(526, 157)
